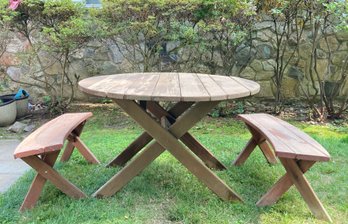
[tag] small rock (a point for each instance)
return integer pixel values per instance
(264, 51)
(295, 73)
(29, 128)
(269, 65)
(17, 127)
(248, 103)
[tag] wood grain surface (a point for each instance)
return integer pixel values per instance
(189, 87)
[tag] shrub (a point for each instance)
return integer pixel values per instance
(54, 29)
(197, 31)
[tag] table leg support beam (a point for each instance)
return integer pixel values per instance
(131, 150)
(197, 148)
(132, 169)
(168, 139)
(144, 139)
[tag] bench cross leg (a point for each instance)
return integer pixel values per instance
(300, 181)
(256, 140)
(38, 183)
(45, 172)
(74, 141)
(282, 185)
(295, 176)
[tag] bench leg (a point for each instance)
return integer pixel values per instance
(256, 140)
(38, 183)
(74, 141)
(282, 186)
(295, 175)
(70, 146)
(243, 156)
(46, 172)
(305, 189)
(267, 152)
(84, 150)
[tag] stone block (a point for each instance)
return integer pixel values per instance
(109, 68)
(305, 50)
(264, 75)
(289, 87)
(332, 41)
(342, 35)
(17, 127)
(295, 72)
(248, 73)
(343, 46)
(265, 89)
(339, 57)
(256, 65)
(101, 54)
(264, 25)
(9, 59)
(264, 51)
(14, 72)
(54, 69)
(116, 55)
(244, 55)
(269, 65)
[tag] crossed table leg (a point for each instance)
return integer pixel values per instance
(171, 115)
(167, 139)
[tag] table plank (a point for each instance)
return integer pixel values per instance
(186, 87)
(233, 88)
(192, 89)
(214, 90)
(252, 86)
(117, 86)
(142, 87)
(167, 88)
(86, 85)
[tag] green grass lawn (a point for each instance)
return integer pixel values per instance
(165, 192)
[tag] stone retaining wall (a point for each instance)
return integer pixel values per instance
(256, 60)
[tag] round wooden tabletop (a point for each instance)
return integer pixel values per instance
(176, 87)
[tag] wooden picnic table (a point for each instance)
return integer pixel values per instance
(139, 94)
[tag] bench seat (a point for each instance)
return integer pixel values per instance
(287, 141)
(41, 148)
(296, 151)
(50, 136)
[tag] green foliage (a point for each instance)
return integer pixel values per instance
(55, 29)
(141, 29)
(293, 19)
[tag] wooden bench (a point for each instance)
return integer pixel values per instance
(41, 149)
(296, 151)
